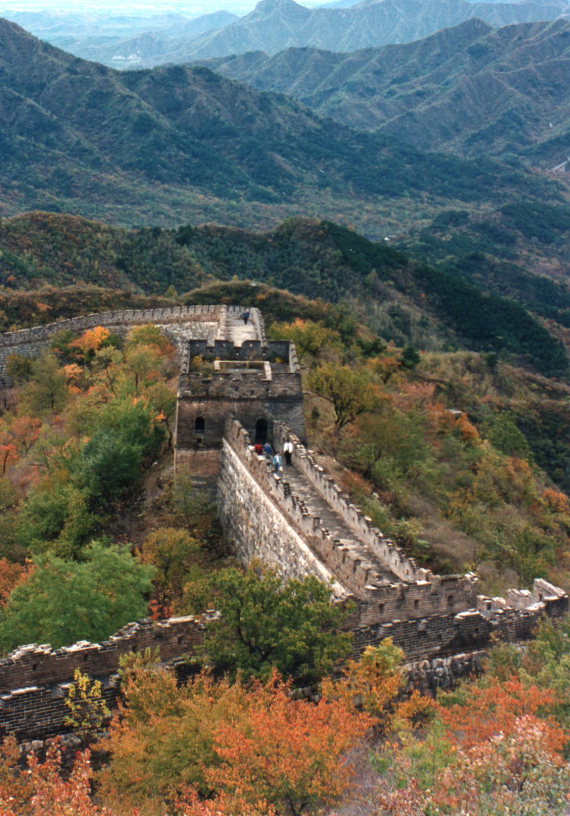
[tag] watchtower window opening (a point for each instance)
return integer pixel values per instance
(200, 425)
(261, 432)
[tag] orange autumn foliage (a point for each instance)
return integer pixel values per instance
(375, 683)
(92, 339)
(505, 775)
(11, 575)
(468, 431)
(17, 436)
(556, 501)
(291, 753)
(8, 456)
(227, 741)
(223, 805)
(493, 708)
(25, 431)
(43, 789)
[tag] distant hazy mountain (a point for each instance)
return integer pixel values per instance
(272, 26)
(120, 40)
(181, 143)
(150, 48)
(469, 89)
(275, 25)
(58, 27)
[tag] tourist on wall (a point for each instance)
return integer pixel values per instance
(288, 451)
(278, 463)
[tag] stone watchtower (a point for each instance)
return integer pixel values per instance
(243, 377)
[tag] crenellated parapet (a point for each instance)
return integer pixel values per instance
(34, 679)
(256, 381)
(180, 323)
(237, 389)
(364, 530)
(427, 614)
(381, 595)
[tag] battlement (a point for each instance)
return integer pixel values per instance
(180, 323)
(130, 317)
(364, 530)
(254, 381)
(422, 595)
(200, 355)
(34, 679)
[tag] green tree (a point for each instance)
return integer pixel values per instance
(46, 392)
(19, 367)
(124, 435)
(507, 438)
(65, 601)
(170, 550)
(150, 335)
(410, 357)
(266, 622)
(109, 465)
(56, 518)
(348, 390)
(310, 338)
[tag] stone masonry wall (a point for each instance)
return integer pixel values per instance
(435, 615)
(395, 559)
(42, 665)
(264, 384)
(34, 679)
(420, 595)
(179, 323)
(439, 621)
(477, 628)
(249, 504)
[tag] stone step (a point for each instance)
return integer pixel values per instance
(332, 521)
(238, 332)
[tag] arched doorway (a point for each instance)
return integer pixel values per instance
(200, 426)
(261, 431)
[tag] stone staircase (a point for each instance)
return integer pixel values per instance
(333, 522)
(237, 331)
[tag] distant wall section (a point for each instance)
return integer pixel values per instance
(179, 323)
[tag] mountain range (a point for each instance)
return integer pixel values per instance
(275, 25)
(278, 24)
(178, 144)
(471, 89)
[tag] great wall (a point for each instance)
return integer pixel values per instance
(237, 388)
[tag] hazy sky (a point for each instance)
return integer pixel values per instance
(190, 7)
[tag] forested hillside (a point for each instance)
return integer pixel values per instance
(181, 144)
(471, 90)
(452, 454)
(402, 299)
(428, 298)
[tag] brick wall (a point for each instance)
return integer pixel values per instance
(267, 388)
(179, 323)
(34, 679)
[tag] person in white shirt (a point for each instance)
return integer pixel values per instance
(288, 450)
